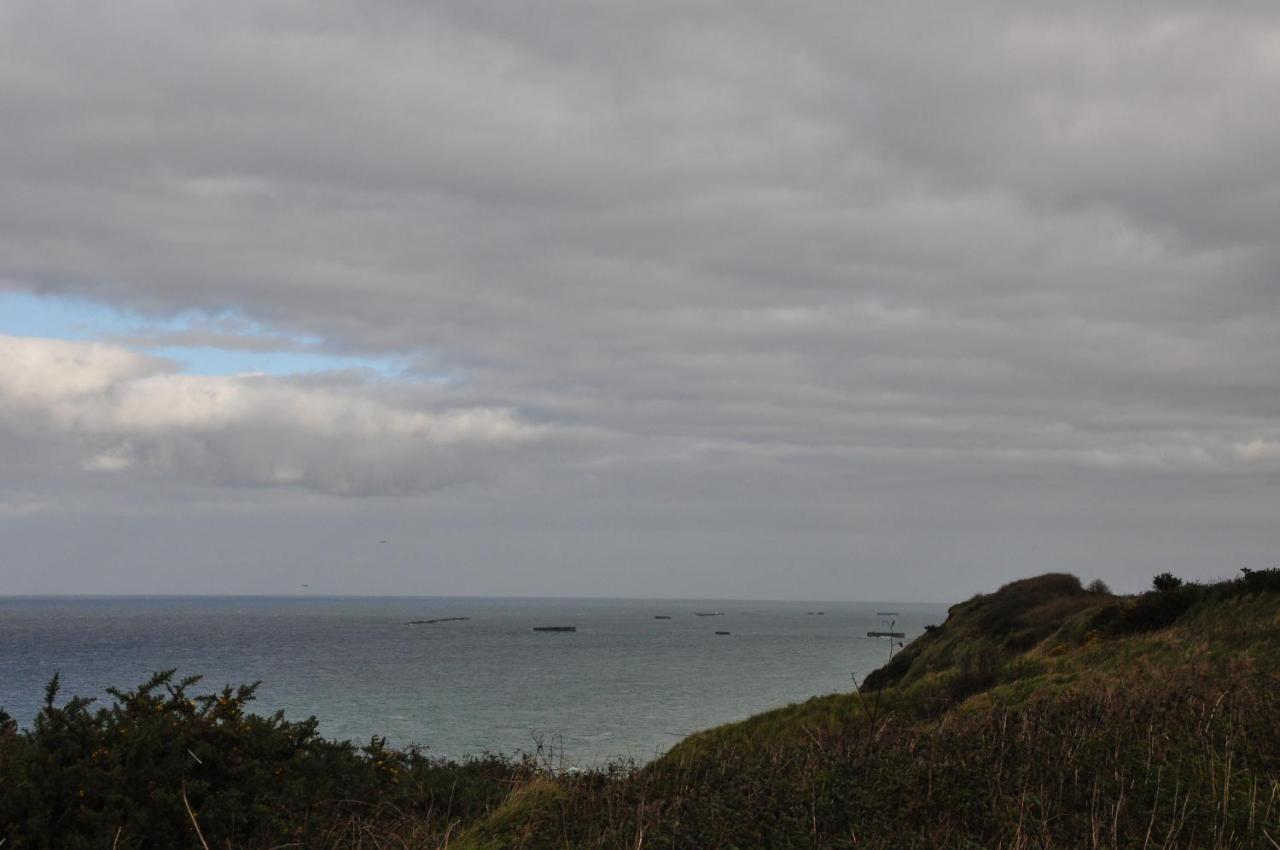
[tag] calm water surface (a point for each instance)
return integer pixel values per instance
(623, 685)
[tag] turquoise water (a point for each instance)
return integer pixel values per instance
(623, 685)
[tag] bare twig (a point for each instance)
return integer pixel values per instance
(190, 813)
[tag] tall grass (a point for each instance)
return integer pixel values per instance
(1191, 761)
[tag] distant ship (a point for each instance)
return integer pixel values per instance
(708, 613)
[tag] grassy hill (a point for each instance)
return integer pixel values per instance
(1038, 716)
(1041, 715)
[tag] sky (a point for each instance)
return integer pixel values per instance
(882, 301)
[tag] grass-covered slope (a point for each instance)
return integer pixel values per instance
(1041, 715)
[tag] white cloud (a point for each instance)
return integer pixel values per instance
(125, 411)
(114, 459)
(1259, 451)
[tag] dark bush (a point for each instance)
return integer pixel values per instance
(1261, 581)
(1166, 581)
(975, 672)
(129, 771)
(1025, 640)
(1153, 610)
(889, 674)
(8, 726)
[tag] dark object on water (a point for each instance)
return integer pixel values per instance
(722, 633)
(555, 628)
(708, 613)
(886, 634)
(436, 620)
(886, 613)
(662, 616)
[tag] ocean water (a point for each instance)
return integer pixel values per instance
(623, 685)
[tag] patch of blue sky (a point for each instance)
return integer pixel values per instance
(57, 317)
(23, 314)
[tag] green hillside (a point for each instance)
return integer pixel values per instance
(1041, 715)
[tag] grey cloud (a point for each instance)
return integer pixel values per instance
(214, 338)
(955, 251)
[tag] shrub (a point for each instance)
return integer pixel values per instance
(8, 726)
(1098, 586)
(891, 673)
(1262, 581)
(1150, 611)
(975, 671)
(130, 770)
(1166, 581)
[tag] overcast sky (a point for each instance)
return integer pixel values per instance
(798, 300)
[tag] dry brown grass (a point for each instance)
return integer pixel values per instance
(1186, 762)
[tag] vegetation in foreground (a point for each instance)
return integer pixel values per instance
(1043, 715)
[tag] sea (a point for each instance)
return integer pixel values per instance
(625, 685)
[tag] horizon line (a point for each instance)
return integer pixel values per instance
(456, 596)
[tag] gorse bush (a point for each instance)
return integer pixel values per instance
(130, 771)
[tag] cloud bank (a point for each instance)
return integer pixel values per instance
(957, 293)
(123, 413)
